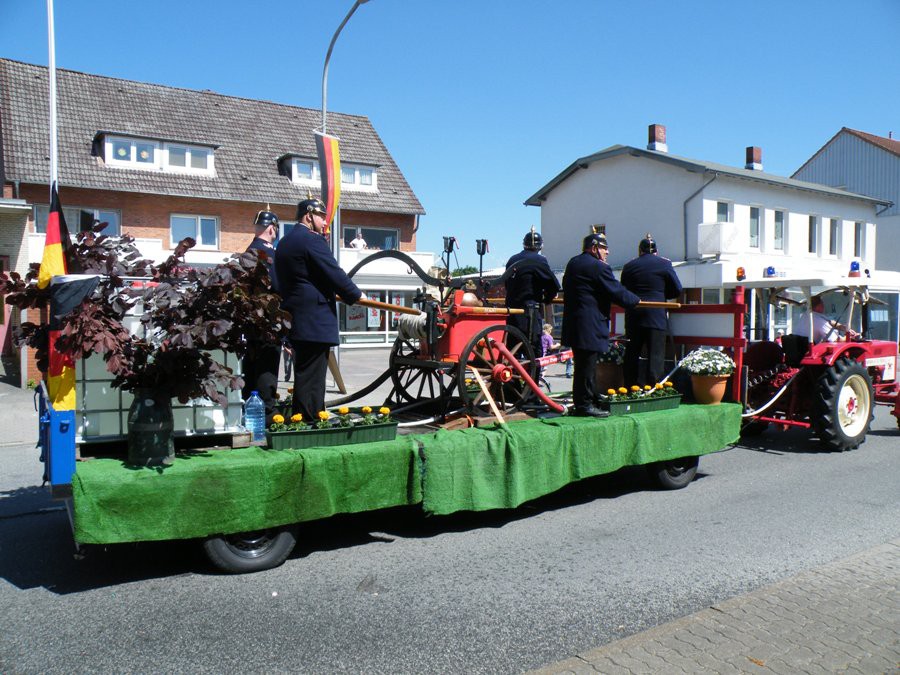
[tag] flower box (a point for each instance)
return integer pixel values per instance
(320, 438)
(638, 405)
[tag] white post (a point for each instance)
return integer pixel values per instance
(51, 39)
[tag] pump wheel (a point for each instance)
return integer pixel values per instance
(251, 551)
(843, 409)
(674, 474)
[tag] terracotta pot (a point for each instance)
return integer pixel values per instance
(709, 389)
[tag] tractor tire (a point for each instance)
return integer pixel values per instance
(251, 551)
(843, 409)
(674, 474)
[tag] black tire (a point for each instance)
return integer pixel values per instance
(251, 551)
(844, 405)
(674, 474)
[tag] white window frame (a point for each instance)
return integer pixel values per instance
(759, 214)
(834, 237)
(73, 226)
(348, 229)
(160, 156)
(859, 239)
(775, 224)
(813, 236)
(356, 184)
(301, 180)
(196, 236)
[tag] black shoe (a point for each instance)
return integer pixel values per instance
(590, 411)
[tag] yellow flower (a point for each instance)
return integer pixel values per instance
(366, 410)
(278, 419)
(343, 410)
(623, 390)
(657, 386)
(634, 387)
(610, 392)
(324, 415)
(297, 418)
(669, 384)
(384, 410)
(647, 387)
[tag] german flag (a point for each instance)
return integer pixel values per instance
(330, 172)
(57, 258)
(66, 293)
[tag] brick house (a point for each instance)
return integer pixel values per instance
(161, 163)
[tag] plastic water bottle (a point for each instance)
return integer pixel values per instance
(255, 417)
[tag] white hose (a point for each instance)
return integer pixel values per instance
(429, 420)
(774, 398)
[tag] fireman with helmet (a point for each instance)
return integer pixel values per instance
(531, 285)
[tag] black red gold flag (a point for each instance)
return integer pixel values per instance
(66, 293)
(330, 173)
(57, 258)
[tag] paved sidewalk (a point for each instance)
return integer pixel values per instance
(840, 618)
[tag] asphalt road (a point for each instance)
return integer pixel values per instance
(394, 592)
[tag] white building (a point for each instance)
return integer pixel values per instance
(710, 219)
(869, 165)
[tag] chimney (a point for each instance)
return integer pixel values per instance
(657, 138)
(754, 158)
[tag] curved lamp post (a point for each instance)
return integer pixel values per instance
(328, 57)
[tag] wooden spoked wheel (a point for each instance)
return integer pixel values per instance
(415, 378)
(506, 386)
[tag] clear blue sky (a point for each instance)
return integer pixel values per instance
(481, 102)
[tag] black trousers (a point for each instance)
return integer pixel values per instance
(261, 375)
(655, 341)
(584, 378)
(310, 368)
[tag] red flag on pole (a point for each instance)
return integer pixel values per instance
(57, 258)
(330, 173)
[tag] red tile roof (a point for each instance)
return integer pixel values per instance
(888, 144)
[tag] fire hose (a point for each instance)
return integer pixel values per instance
(501, 348)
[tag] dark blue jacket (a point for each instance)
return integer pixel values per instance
(589, 288)
(308, 279)
(261, 245)
(650, 277)
(533, 280)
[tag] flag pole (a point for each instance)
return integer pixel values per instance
(51, 39)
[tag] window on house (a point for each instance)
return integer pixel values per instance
(151, 155)
(305, 171)
(711, 296)
(204, 229)
(858, 240)
(754, 227)
(80, 218)
(284, 228)
(834, 233)
(813, 234)
(779, 231)
(722, 212)
(376, 238)
(358, 177)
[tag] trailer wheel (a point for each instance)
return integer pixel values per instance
(251, 551)
(843, 410)
(675, 473)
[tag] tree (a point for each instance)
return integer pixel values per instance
(461, 271)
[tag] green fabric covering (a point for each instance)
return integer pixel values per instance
(504, 466)
(225, 491)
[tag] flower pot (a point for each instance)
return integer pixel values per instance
(640, 405)
(318, 438)
(151, 438)
(709, 389)
(608, 376)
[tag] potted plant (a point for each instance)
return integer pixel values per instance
(621, 401)
(709, 370)
(344, 427)
(186, 315)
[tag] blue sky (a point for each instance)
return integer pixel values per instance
(481, 102)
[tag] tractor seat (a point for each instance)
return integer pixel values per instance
(795, 348)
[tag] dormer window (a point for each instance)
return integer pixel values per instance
(305, 171)
(151, 155)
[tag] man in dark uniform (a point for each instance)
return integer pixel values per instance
(309, 278)
(532, 285)
(261, 367)
(589, 288)
(650, 277)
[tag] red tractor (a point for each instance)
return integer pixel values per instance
(831, 386)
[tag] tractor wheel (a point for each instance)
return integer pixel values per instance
(843, 410)
(674, 474)
(251, 551)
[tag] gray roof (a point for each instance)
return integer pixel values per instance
(249, 136)
(695, 166)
